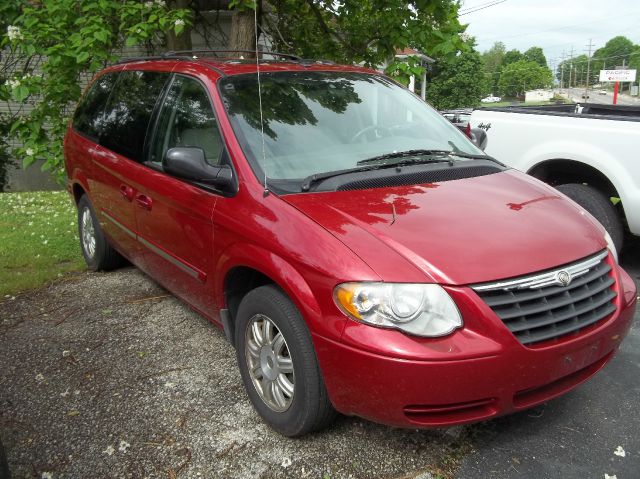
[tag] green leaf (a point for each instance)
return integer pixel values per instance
(131, 41)
(82, 57)
(21, 93)
(28, 160)
(178, 29)
(101, 35)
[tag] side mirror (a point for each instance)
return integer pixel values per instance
(479, 138)
(188, 162)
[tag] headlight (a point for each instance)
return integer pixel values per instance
(611, 246)
(420, 309)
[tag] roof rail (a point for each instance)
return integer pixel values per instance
(152, 57)
(173, 54)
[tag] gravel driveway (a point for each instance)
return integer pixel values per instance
(106, 375)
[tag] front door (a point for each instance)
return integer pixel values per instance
(174, 217)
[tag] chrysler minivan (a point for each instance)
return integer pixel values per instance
(361, 254)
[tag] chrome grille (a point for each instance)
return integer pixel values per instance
(540, 307)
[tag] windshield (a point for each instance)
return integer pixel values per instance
(319, 122)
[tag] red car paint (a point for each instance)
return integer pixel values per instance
(456, 234)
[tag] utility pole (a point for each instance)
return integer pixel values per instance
(570, 72)
(586, 89)
(562, 72)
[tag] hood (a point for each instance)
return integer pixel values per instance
(457, 232)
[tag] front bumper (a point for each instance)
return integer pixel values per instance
(477, 373)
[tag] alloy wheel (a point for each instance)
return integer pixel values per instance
(269, 362)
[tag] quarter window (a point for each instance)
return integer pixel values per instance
(127, 116)
(88, 116)
(187, 119)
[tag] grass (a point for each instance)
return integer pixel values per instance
(38, 239)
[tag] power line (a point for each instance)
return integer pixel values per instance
(481, 7)
(554, 29)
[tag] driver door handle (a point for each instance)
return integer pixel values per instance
(144, 202)
(127, 192)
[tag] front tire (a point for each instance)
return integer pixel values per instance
(97, 252)
(600, 208)
(278, 364)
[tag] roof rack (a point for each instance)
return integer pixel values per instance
(181, 53)
(152, 57)
(192, 55)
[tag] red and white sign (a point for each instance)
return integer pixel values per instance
(617, 75)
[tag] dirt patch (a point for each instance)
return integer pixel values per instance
(106, 375)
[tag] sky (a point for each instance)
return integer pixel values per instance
(553, 25)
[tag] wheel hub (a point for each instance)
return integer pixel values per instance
(88, 233)
(269, 363)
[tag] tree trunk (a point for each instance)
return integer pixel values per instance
(242, 36)
(183, 41)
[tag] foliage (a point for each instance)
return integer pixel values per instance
(458, 82)
(616, 52)
(511, 56)
(535, 54)
(51, 44)
(402, 71)
(5, 158)
(38, 239)
(368, 32)
(493, 59)
(518, 77)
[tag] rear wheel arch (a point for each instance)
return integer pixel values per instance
(561, 171)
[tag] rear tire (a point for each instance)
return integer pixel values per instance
(278, 364)
(600, 208)
(98, 253)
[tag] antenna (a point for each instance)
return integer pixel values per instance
(264, 153)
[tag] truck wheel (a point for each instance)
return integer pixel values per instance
(600, 208)
(97, 252)
(278, 364)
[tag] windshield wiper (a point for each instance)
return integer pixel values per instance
(373, 163)
(415, 153)
(311, 179)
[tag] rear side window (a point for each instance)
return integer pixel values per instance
(127, 115)
(89, 112)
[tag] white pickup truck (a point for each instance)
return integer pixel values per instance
(591, 153)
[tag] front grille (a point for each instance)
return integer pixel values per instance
(539, 307)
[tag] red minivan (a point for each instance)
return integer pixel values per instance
(361, 254)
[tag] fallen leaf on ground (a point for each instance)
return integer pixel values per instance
(620, 452)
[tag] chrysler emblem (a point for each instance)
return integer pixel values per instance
(563, 277)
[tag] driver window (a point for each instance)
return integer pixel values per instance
(187, 119)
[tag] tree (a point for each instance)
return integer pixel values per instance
(616, 52)
(510, 57)
(518, 77)
(49, 44)
(493, 59)
(535, 54)
(74, 37)
(458, 82)
(357, 31)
